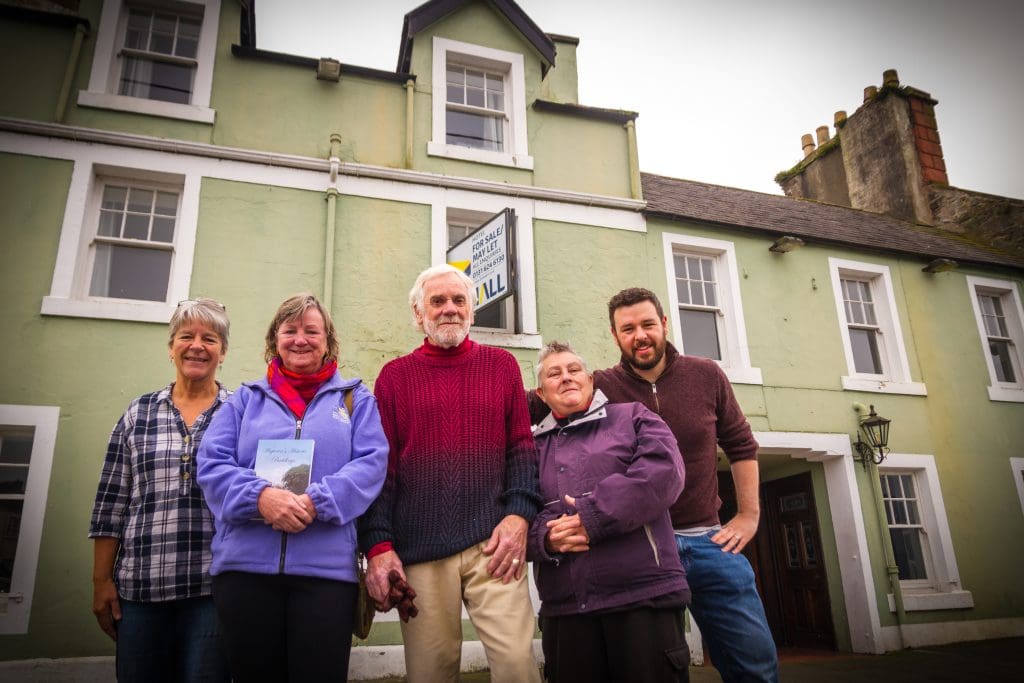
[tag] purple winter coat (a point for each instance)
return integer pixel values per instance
(621, 463)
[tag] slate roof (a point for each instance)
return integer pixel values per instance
(435, 10)
(815, 222)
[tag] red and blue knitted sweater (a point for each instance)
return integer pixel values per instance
(462, 456)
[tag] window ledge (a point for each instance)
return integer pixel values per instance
(881, 386)
(169, 110)
(135, 311)
(483, 156)
(745, 375)
(507, 339)
(923, 602)
(1011, 394)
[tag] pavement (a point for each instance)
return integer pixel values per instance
(988, 660)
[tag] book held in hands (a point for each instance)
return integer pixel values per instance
(285, 463)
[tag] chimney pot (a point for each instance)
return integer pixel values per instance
(890, 79)
(807, 144)
(822, 132)
(870, 92)
(839, 118)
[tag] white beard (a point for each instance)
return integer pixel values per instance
(446, 336)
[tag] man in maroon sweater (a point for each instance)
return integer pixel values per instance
(460, 493)
(695, 399)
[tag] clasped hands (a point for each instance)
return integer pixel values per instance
(566, 534)
(285, 511)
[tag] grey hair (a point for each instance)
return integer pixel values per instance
(209, 312)
(554, 347)
(416, 293)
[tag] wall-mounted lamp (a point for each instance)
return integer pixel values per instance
(328, 69)
(875, 429)
(786, 243)
(940, 265)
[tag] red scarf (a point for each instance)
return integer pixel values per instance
(298, 390)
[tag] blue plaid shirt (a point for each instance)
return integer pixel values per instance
(149, 500)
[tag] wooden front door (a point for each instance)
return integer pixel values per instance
(802, 610)
(787, 561)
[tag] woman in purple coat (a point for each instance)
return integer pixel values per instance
(612, 590)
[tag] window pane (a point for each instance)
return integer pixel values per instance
(114, 197)
(136, 226)
(473, 130)
(864, 344)
(187, 44)
(456, 76)
(697, 293)
(475, 97)
(140, 200)
(130, 272)
(693, 268)
(475, 79)
(496, 101)
(899, 512)
(15, 449)
(163, 230)
(137, 32)
(906, 546)
(491, 316)
(10, 527)
(455, 94)
(13, 479)
(110, 224)
(1002, 360)
(157, 80)
(700, 333)
(710, 298)
(166, 204)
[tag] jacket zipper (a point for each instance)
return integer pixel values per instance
(657, 403)
(284, 534)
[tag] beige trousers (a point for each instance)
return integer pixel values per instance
(501, 613)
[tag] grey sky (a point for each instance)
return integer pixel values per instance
(725, 89)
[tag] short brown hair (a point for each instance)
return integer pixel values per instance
(293, 307)
(631, 297)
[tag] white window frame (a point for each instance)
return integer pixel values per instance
(1017, 467)
(732, 337)
(479, 203)
(69, 289)
(16, 606)
(942, 590)
(1009, 295)
(511, 66)
(895, 376)
(106, 65)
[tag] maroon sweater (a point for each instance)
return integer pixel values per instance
(462, 456)
(695, 398)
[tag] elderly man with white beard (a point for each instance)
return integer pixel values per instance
(460, 492)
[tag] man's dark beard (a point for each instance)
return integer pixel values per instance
(659, 353)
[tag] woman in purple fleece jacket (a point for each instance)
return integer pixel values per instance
(612, 589)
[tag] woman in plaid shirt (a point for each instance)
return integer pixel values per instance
(150, 523)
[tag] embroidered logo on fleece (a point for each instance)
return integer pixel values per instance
(341, 415)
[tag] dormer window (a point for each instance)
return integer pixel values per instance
(479, 107)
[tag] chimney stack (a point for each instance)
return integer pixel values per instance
(807, 144)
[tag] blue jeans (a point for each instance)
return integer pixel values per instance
(178, 640)
(727, 608)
